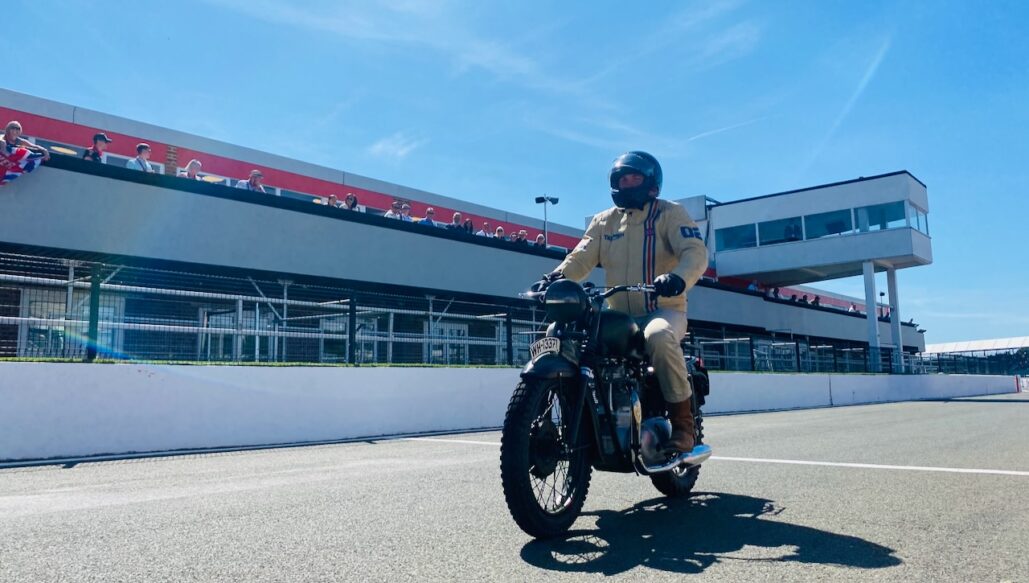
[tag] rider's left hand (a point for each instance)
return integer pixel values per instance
(669, 285)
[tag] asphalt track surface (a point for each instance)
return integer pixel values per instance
(432, 510)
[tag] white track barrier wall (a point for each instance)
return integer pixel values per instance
(69, 410)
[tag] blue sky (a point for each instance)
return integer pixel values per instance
(499, 102)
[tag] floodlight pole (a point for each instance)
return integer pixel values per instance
(544, 200)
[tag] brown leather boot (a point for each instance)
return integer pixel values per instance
(684, 430)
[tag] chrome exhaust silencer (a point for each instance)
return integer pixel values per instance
(697, 456)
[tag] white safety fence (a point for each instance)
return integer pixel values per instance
(53, 410)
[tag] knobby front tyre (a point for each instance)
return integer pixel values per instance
(545, 478)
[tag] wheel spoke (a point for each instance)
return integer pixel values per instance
(552, 490)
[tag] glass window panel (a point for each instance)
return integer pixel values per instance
(780, 231)
(113, 160)
(879, 217)
(831, 223)
(739, 237)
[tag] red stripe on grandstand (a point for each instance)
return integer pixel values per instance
(125, 145)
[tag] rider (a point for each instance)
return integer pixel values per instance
(655, 241)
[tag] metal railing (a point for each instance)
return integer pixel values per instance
(53, 308)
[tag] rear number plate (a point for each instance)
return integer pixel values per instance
(548, 345)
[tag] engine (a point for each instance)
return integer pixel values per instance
(618, 388)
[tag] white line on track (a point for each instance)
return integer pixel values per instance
(791, 462)
(873, 466)
(450, 440)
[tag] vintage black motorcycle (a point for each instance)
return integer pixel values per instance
(588, 399)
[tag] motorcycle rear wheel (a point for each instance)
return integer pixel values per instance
(679, 483)
(545, 477)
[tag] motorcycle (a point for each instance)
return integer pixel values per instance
(589, 399)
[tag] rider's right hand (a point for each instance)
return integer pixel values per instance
(549, 278)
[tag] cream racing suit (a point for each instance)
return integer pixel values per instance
(635, 246)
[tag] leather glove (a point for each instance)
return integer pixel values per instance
(669, 285)
(548, 279)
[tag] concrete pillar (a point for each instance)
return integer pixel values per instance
(868, 268)
(891, 284)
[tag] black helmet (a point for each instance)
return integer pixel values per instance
(638, 163)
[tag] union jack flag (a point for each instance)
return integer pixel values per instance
(15, 161)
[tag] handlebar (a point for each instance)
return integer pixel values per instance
(602, 292)
(636, 287)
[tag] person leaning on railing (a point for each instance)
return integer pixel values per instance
(253, 183)
(191, 171)
(141, 161)
(428, 220)
(350, 202)
(96, 151)
(395, 210)
(12, 139)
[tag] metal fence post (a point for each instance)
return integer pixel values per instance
(93, 334)
(352, 331)
(510, 339)
(237, 344)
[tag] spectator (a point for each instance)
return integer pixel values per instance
(141, 161)
(333, 201)
(253, 183)
(468, 227)
(456, 224)
(541, 241)
(96, 151)
(350, 202)
(429, 219)
(394, 211)
(12, 139)
(405, 213)
(752, 286)
(499, 234)
(817, 301)
(852, 309)
(192, 170)
(485, 231)
(804, 300)
(775, 293)
(793, 298)
(523, 237)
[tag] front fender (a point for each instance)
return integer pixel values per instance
(550, 366)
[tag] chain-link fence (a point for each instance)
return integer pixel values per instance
(55, 308)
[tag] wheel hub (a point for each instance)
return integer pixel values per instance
(545, 450)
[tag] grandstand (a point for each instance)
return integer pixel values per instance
(100, 260)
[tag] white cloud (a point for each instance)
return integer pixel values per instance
(396, 146)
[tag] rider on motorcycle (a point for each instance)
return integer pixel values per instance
(654, 241)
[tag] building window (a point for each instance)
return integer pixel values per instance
(880, 217)
(825, 224)
(919, 220)
(286, 193)
(780, 231)
(739, 237)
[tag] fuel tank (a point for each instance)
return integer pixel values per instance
(619, 334)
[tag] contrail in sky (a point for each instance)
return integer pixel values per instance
(865, 80)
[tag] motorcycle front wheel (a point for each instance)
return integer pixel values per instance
(545, 476)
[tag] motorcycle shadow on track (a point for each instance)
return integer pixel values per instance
(689, 535)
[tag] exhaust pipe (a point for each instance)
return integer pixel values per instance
(687, 458)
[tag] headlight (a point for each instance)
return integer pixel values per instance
(565, 301)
